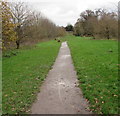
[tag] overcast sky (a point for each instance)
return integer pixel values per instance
(62, 12)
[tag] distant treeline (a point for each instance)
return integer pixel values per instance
(21, 25)
(98, 24)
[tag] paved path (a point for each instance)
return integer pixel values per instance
(59, 93)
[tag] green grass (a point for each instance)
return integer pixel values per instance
(96, 63)
(23, 74)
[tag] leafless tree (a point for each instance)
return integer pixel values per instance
(20, 16)
(98, 23)
(32, 25)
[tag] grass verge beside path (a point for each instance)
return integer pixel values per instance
(96, 63)
(23, 75)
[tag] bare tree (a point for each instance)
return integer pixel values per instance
(20, 15)
(32, 25)
(98, 23)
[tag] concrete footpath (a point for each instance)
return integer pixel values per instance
(59, 93)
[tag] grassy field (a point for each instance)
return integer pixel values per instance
(23, 74)
(96, 63)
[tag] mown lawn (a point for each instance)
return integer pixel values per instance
(23, 74)
(96, 63)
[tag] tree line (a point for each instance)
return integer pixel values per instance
(22, 25)
(99, 24)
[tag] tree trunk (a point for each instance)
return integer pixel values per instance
(18, 44)
(107, 33)
(19, 36)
